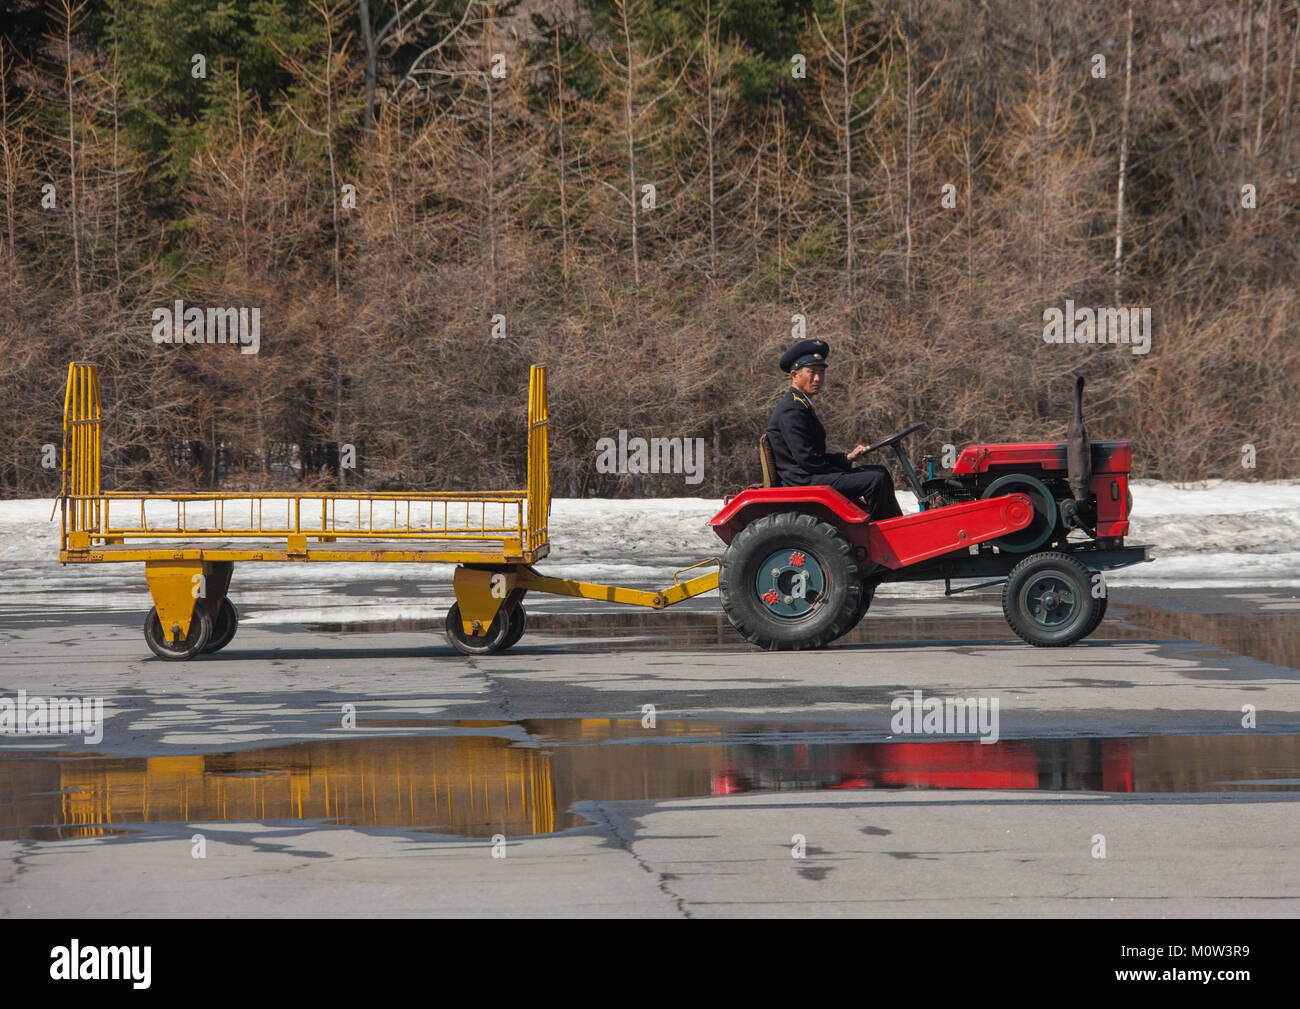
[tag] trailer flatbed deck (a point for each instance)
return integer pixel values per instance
(189, 542)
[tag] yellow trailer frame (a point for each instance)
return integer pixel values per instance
(190, 542)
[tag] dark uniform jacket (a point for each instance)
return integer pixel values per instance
(798, 443)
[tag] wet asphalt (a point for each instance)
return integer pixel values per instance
(633, 763)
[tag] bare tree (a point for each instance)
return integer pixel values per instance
(629, 72)
(842, 85)
(713, 88)
(409, 19)
(1123, 156)
(68, 17)
(15, 154)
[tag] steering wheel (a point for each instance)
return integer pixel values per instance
(894, 439)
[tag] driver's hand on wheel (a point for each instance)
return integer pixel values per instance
(857, 453)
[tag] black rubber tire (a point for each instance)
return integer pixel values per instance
(1044, 627)
(518, 624)
(1098, 613)
(492, 641)
(868, 593)
(223, 631)
(831, 615)
(193, 643)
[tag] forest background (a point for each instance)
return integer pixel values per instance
(424, 198)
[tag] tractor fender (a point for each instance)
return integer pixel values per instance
(910, 539)
(821, 500)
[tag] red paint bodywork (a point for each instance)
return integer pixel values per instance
(1111, 463)
(737, 512)
(1107, 457)
(1113, 503)
(896, 543)
(892, 543)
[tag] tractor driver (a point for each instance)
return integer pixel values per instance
(798, 439)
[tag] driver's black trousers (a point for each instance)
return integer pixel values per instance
(872, 485)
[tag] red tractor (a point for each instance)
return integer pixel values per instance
(802, 563)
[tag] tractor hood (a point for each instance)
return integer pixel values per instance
(1107, 456)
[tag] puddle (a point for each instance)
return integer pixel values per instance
(665, 630)
(1268, 637)
(481, 778)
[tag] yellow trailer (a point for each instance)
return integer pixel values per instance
(190, 542)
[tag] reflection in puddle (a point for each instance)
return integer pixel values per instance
(1269, 637)
(663, 630)
(482, 783)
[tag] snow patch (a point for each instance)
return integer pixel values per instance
(1217, 534)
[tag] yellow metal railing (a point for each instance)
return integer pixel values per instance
(351, 514)
(91, 515)
(80, 484)
(539, 460)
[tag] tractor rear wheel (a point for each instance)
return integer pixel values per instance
(1047, 600)
(790, 581)
(868, 593)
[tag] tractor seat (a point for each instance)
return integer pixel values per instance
(768, 461)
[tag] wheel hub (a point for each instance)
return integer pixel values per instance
(790, 583)
(1050, 601)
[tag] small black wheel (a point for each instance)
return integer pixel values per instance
(1047, 600)
(1099, 611)
(467, 644)
(518, 624)
(189, 646)
(224, 629)
(789, 581)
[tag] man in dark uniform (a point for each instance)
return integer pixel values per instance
(798, 439)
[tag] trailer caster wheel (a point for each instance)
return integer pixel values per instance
(224, 629)
(790, 581)
(187, 647)
(493, 641)
(1047, 600)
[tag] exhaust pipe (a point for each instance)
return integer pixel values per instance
(1078, 450)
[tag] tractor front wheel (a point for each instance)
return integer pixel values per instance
(790, 581)
(1048, 600)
